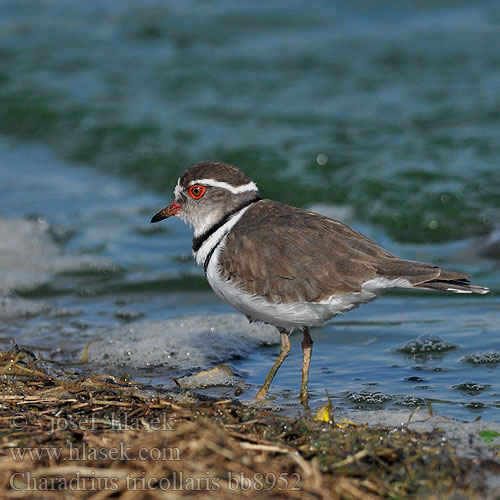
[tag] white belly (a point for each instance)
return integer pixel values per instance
(290, 314)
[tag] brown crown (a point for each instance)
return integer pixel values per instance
(217, 171)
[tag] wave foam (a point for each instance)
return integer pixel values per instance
(190, 343)
(29, 258)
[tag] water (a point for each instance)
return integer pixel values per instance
(385, 117)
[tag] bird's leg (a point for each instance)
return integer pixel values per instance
(284, 350)
(307, 343)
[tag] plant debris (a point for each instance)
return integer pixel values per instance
(72, 436)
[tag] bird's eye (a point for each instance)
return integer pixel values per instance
(196, 191)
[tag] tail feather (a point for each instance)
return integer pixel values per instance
(426, 276)
(461, 285)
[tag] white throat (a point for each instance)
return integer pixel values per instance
(217, 237)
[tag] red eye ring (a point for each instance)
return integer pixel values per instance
(197, 191)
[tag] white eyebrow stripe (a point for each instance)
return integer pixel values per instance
(251, 186)
(177, 190)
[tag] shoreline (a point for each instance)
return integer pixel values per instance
(65, 435)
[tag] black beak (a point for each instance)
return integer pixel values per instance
(172, 209)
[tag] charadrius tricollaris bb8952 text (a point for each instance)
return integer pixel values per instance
(285, 266)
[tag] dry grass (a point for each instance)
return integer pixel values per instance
(95, 437)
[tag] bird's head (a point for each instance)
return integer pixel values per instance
(206, 193)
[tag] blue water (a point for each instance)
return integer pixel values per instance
(385, 117)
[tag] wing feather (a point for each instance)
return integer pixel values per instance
(287, 254)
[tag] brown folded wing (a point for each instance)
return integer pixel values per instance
(286, 255)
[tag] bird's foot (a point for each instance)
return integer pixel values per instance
(258, 402)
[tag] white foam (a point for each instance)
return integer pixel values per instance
(29, 258)
(24, 254)
(197, 342)
(15, 308)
